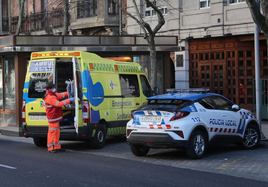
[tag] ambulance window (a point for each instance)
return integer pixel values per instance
(146, 89)
(37, 84)
(79, 84)
(129, 85)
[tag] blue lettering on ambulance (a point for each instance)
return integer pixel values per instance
(42, 66)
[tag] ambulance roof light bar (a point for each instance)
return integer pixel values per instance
(122, 58)
(46, 54)
(198, 90)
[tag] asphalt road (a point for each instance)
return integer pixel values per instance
(24, 164)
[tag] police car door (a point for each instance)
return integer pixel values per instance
(231, 117)
(211, 116)
(77, 93)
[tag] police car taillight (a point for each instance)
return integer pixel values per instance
(179, 115)
(23, 111)
(132, 114)
(86, 111)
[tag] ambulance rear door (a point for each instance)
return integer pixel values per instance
(77, 93)
(40, 72)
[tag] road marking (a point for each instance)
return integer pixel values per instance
(9, 167)
(229, 163)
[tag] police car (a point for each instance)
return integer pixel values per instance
(193, 121)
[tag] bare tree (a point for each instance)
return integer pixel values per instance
(149, 34)
(260, 17)
(66, 17)
(21, 7)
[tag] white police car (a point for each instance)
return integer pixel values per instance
(193, 121)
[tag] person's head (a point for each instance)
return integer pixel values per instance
(50, 86)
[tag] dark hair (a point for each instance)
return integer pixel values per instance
(50, 85)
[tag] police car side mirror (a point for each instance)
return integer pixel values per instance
(235, 108)
(156, 90)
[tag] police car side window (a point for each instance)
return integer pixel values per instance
(222, 104)
(207, 103)
(129, 85)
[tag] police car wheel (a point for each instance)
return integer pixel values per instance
(98, 141)
(40, 142)
(251, 137)
(139, 150)
(196, 145)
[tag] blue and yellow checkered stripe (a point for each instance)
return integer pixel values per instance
(116, 131)
(110, 68)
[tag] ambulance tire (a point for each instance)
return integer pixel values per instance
(251, 138)
(139, 150)
(98, 141)
(40, 142)
(197, 145)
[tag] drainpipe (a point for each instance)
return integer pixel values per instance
(223, 18)
(257, 70)
(120, 17)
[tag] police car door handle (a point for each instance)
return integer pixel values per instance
(224, 115)
(137, 103)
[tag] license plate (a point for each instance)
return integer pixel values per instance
(151, 118)
(38, 118)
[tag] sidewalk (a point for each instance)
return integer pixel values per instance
(264, 128)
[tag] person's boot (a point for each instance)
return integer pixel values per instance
(53, 151)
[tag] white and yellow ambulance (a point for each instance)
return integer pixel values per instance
(105, 92)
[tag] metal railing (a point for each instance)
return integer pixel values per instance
(45, 20)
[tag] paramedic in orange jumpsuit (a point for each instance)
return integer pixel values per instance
(54, 116)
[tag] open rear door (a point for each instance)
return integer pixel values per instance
(76, 72)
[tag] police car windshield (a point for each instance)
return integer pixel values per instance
(166, 104)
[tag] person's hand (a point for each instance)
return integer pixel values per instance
(71, 99)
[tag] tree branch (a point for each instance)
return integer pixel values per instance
(258, 18)
(161, 20)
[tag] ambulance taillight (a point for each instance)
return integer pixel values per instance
(23, 111)
(86, 111)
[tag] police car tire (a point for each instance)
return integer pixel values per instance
(40, 142)
(254, 129)
(98, 141)
(139, 150)
(190, 150)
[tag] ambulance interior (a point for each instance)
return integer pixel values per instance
(64, 82)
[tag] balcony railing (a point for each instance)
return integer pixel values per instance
(45, 20)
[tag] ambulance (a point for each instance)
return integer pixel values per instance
(105, 92)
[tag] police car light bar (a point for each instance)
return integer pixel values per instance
(200, 90)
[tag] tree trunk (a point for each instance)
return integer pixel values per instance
(66, 17)
(21, 7)
(152, 62)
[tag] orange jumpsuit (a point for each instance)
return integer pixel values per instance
(54, 116)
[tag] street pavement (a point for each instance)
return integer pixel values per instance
(227, 160)
(264, 128)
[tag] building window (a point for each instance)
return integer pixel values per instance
(111, 7)
(236, 1)
(149, 11)
(9, 84)
(204, 3)
(87, 8)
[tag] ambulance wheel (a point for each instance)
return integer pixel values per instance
(98, 141)
(251, 137)
(139, 150)
(40, 142)
(197, 145)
